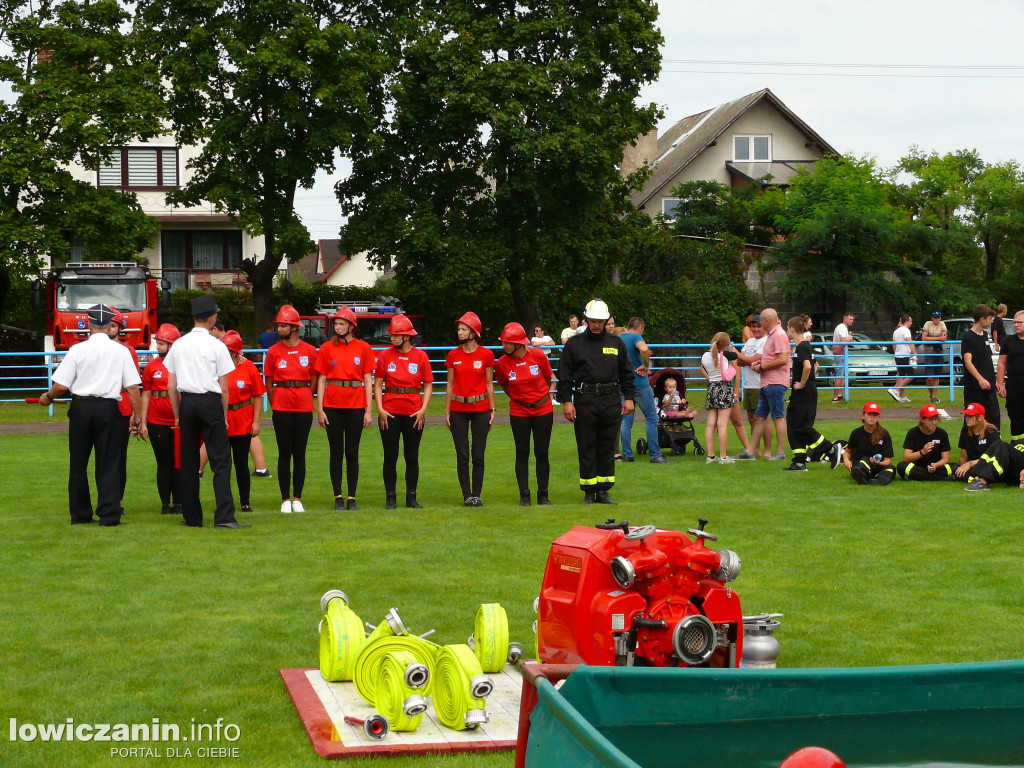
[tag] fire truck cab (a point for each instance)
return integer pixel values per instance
(373, 318)
(73, 288)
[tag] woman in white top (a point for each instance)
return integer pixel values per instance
(720, 374)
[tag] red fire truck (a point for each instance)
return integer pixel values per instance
(373, 318)
(73, 288)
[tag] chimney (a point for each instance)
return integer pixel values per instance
(643, 150)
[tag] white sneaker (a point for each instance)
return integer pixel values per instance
(712, 460)
(943, 415)
(894, 394)
(904, 399)
(286, 507)
(297, 506)
(727, 460)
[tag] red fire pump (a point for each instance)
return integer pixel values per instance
(619, 595)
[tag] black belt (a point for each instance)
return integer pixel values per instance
(159, 393)
(95, 397)
(470, 399)
(585, 388)
(344, 383)
(402, 390)
(535, 404)
(291, 384)
(240, 405)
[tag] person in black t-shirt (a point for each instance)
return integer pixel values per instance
(1010, 377)
(1002, 462)
(979, 375)
(805, 441)
(976, 438)
(868, 455)
(926, 449)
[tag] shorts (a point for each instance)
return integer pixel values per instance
(772, 399)
(936, 364)
(903, 368)
(750, 398)
(840, 366)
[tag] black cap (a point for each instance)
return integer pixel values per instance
(100, 314)
(204, 306)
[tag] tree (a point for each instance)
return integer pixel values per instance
(271, 91)
(78, 88)
(497, 170)
(996, 213)
(839, 231)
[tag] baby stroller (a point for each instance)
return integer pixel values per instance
(675, 430)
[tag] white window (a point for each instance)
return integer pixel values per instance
(140, 168)
(668, 207)
(756, 149)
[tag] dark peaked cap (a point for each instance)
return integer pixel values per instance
(100, 314)
(204, 306)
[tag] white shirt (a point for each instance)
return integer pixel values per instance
(97, 367)
(902, 334)
(198, 360)
(545, 340)
(709, 366)
(568, 332)
(841, 333)
(751, 378)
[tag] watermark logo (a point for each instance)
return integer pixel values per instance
(158, 739)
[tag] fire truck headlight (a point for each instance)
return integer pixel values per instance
(730, 566)
(623, 572)
(694, 639)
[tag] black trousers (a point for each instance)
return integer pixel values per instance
(401, 428)
(987, 398)
(806, 443)
(597, 431)
(203, 415)
(540, 428)
(876, 471)
(93, 423)
(122, 448)
(461, 423)
(344, 431)
(918, 470)
(1002, 462)
(291, 428)
(240, 458)
(168, 479)
(1015, 406)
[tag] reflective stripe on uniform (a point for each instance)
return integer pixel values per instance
(908, 469)
(995, 464)
(816, 443)
(596, 480)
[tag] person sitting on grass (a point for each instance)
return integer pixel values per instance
(1002, 462)
(976, 438)
(868, 455)
(926, 449)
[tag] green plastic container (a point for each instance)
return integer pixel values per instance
(739, 718)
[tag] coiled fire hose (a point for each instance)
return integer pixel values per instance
(398, 691)
(460, 688)
(341, 637)
(489, 640)
(368, 663)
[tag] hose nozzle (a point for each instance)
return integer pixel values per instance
(376, 726)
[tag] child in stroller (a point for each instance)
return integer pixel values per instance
(675, 417)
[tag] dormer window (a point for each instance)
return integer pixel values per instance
(757, 149)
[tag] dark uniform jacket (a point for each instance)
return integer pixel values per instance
(591, 359)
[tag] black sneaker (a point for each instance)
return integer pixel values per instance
(167, 509)
(604, 498)
(858, 474)
(261, 473)
(350, 504)
(524, 499)
(796, 467)
(834, 457)
(339, 504)
(977, 485)
(246, 508)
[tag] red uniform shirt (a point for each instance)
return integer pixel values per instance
(244, 383)
(345, 362)
(403, 369)
(470, 377)
(527, 380)
(154, 379)
(284, 363)
(125, 405)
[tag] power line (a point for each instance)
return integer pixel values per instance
(842, 74)
(841, 64)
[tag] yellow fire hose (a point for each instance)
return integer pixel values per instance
(460, 688)
(489, 640)
(398, 691)
(341, 637)
(371, 656)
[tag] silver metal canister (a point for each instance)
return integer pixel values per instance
(760, 646)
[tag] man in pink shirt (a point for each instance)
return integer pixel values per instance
(774, 369)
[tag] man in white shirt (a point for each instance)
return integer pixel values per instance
(197, 385)
(903, 350)
(840, 352)
(95, 372)
(571, 330)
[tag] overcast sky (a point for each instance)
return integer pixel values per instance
(941, 75)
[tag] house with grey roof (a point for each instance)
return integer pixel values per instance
(328, 265)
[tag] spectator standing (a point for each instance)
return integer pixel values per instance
(903, 350)
(158, 422)
(840, 352)
(95, 372)
(640, 358)
(774, 367)
(808, 324)
(926, 449)
(1010, 377)
(269, 337)
(751, 383)
(541, 340)
(998, 327)
(572, 329)
(748, 330)
(720, 397)
(979, 373)
(934, 330)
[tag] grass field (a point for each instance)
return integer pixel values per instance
(152, 620)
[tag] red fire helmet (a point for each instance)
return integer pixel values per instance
(344, 313)
(287, 316)
(513, 333)
(473, 322)
(401, 325)
(233, 341)
(119, 317)
(168, 333)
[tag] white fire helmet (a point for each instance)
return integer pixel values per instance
(596, 310)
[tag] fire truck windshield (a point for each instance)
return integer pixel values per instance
(78, 295)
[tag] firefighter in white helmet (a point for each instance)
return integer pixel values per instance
(593, 371)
